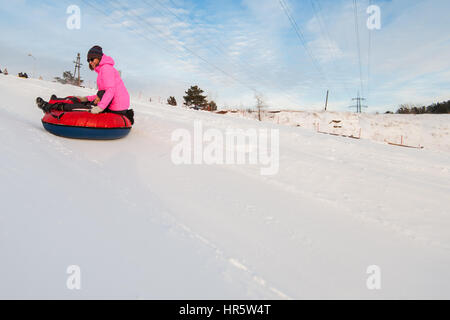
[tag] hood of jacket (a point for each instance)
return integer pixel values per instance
(105, 61)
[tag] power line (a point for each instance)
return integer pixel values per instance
(301, 37)
(173, 3)
(240, 65)
(140, 18)
(107, 15)
(317, 12)
(144, 36)
(159, 33)
(355, 9)
(369, 59)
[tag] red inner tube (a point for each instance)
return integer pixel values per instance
(87, 119)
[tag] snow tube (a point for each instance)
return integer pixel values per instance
(85, 125)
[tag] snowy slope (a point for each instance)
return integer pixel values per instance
(140, 226)
(431, 131)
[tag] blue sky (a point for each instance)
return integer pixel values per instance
(234, 49)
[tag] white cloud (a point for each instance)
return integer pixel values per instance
(254, 42)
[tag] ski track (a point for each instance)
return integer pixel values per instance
(38, 136)
(299, 234)
(400, 161)
(344, 208)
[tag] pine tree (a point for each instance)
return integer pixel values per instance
(212, 106)
(68, 78)
(195, 99)
(172, 101)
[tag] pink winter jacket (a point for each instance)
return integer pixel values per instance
(109, 80)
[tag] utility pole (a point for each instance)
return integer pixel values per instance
(358, 105)
(34, 64)
(326, 103)
(77, 67)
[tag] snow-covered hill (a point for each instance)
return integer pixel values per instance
(431, 131)
(139, 226)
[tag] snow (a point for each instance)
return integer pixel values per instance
(427, 130)
(141, 227)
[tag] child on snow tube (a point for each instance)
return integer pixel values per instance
(113, 96)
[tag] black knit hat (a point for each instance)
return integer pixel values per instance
(95, 52)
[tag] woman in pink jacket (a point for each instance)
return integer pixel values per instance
(115, 96)
(112, 95)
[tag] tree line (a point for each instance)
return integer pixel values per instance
(435, 108)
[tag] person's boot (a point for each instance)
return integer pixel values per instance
(44, 106)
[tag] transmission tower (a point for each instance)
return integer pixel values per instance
(358, 105)
(77, 69)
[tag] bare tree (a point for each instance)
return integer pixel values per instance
(68, 78)
(259, 104)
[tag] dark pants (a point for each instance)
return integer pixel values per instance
(85, 106)
(73, 107)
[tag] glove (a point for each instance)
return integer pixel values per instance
(96, 110)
